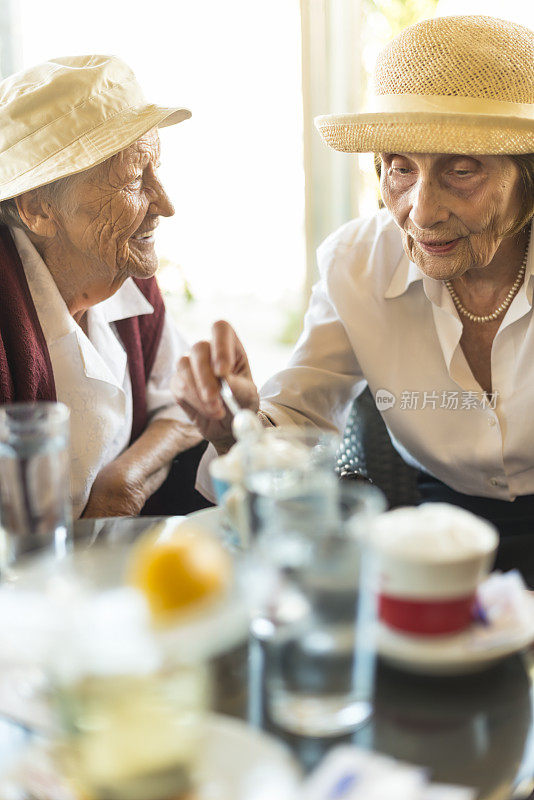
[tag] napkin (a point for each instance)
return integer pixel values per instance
(352, 773)
(505, 611)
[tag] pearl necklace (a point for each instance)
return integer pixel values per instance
(503, 306)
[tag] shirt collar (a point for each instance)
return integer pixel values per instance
(128, 301)
(405, 273)
(522, 302)
(529, 272)
(52, 310)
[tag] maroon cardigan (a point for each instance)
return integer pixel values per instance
(25, 367)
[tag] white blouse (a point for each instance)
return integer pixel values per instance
(91, 372)
(375, 318)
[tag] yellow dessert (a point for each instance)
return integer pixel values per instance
(179, 568)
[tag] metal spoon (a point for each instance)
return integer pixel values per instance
(229, 397)
(245, 422)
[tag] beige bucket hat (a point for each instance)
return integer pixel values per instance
(446, 85)
(69, 114)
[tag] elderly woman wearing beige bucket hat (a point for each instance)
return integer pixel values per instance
(81, 317)
(429, 301)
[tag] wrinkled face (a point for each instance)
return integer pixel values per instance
(116, 208)
(452, 209)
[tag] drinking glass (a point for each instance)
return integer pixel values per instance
(295, 466)
(130, 695)
(257, 465)
(35, 504)
(132, 737)
(313, 608)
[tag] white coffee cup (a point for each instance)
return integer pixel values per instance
(431, 559)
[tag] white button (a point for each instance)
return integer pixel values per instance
(498, 482)
(492, 421)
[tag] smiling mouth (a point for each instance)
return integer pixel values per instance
(145, 238)
(436, 247)
(438, 244)
(141, 236)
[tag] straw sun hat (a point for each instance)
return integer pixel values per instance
(447, 85)
(69, 114)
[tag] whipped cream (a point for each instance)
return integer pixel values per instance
(266, 452)
(433, 532)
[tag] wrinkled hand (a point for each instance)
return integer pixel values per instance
(197, 384)
(120, 491)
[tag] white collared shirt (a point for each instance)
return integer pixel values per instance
(91, 372)
(375, 319)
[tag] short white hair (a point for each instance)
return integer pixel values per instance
(59, 193)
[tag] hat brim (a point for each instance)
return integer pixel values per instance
(427, 133)
(93, 148)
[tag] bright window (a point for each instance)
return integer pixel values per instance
(234, 171)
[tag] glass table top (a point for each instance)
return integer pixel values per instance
(474, 730)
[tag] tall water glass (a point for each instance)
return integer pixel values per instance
(35, 503)
(313, 609)
(294, 465)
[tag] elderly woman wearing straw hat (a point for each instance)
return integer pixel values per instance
(429, 302)
(81, 317)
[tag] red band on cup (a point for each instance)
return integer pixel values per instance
(426, 617)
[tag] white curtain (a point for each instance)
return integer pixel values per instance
(331, 82)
